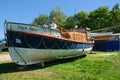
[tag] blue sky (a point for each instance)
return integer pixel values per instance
(24, 11)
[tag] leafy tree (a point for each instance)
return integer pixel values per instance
(58, 16)
(79, 19)
(82, 18)
(115, 13)
(115, 7)
(115, 17)
(99, 18)
(40, 20)
(69, 22)
(96, 19)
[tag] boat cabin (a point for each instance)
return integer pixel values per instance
(80, 35)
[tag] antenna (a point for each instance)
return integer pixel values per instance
(75, 17)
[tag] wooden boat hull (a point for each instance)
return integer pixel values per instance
(29, 46)
(27, 56)
(27, 49)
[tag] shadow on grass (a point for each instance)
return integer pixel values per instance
(12, 67)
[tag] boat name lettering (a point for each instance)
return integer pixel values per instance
(18, 41)
(22, 27)
(33, 29)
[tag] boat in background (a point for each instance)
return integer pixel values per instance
(106, 41)
(29, 44)
(3, 44)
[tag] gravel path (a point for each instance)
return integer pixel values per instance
(5, 57)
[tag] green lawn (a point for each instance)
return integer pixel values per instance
(99, 66)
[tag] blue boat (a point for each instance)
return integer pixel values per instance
(2, 44)
(109, 42)
(2, 40)
(30, 44)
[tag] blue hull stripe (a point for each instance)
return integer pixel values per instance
(18, 39)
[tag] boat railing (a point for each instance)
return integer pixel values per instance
(32, 29)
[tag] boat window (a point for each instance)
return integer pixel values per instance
(114, 37)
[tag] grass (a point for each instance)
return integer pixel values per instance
(98, 66)
(5, 52)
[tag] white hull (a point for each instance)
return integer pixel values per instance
(28, 56)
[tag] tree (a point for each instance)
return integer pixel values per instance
(115, 13)
(58, 16)
(115, 17)
(96, 19)
(69, 22)
(40, 20)
(82, 18)
(99, 18)
(115, 7)
(79, 19)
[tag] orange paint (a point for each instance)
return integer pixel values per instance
(77, 36)
(102, 37)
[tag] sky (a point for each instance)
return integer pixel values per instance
(24, 11)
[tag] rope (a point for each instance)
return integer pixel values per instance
(60, 47)
(71, 44)
(66, 45)
(30, 45)
(46, 46)
(69, 47)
